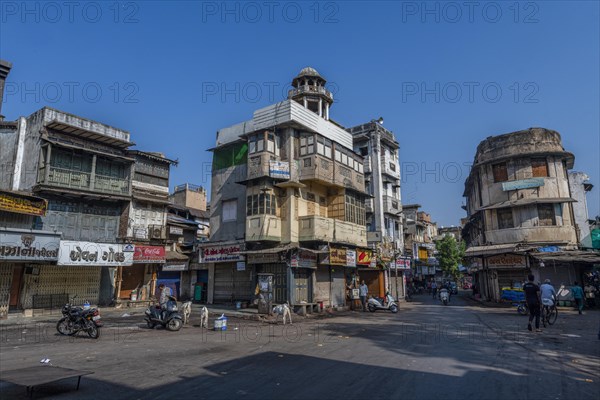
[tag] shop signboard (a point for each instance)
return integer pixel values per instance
(303, 259)
(279, 169)
(175, 267)
(403, 263)
(21, 204)
(350, 258)
(222, 253)
(337, 256)
(522, 184)
(28, 245)
(364, 257)
(149, 255)
(263, 258)
(506, 260)
(241, 266)
(93, 254)
(175, 230)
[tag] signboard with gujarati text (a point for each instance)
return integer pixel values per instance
(222, 253)
(20, 245)
(522, 184)
(93, 254)
(149, 254)
(20, 204)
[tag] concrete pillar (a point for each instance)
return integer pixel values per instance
(211, 284)
(47, 165)
(320, 107)
(93, 173)
(327, 111)
(20, 154)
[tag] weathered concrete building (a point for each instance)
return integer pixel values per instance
(288, 199)
(379, 148)
(520, 213)
(82, 168)
(579, 185)
(419, 235)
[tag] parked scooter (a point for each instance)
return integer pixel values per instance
(169, 317)
(77, 319)
(378, 304)
(522, 308)
(444, 296)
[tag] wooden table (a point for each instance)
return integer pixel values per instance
(31, 377)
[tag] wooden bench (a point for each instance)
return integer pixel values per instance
(304, 308)
(31, 377)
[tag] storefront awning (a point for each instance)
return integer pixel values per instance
(490, 250)
(175, 256)
(273, 250)
(577, 256)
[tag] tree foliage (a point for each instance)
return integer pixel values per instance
(450, 254)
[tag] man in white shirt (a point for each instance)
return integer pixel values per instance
(363, 290)
(547, 292)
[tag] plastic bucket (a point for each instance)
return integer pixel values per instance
(221, 324)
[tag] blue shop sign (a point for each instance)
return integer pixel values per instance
(548, 249)
(523, 184)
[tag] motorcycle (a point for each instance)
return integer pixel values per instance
(444, 296)
(379, 304)
(169, 317)
(76, 319)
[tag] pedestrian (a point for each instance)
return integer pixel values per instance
(363, 290)
(434, 288)
(532, 297)
(578, 296)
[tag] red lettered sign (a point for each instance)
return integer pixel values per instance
(149, 254)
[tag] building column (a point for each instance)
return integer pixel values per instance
(93, 173)
(327, 111)
(47, 165)
(320, 107)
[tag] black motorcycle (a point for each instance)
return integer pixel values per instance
(76, 319)
(169, 317)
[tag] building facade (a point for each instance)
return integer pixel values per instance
(144, 224)
(520, 213)
(383, 207)
(288, 198)
(82, 168)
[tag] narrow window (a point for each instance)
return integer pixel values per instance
(261, 203)
(546, 214)
(505, 218)
(260, 143)
(249, 206)
(271, 143)
(229, 210)
(252, 145)
(539, 167)
(500, 172)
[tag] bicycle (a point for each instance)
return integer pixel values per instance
(549, 312)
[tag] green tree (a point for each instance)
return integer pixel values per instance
(450, 254)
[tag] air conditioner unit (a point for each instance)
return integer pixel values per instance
(156, 232)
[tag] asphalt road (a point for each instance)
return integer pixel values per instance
(426, 351)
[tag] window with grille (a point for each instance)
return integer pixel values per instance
(546, 214)
(505, 218)
(500, 172)
(539, 167)
(307, 144)
(355, 209)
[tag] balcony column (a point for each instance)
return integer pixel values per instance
(47, 164)
(320, 107)
(93, 173)
(305, 102)
(327, 111)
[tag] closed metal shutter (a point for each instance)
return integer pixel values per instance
(232, 285)
(322, 289)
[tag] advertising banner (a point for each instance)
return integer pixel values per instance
(149, 254)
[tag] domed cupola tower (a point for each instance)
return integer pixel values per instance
(309, 90)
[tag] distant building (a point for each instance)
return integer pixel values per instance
(579, 186)
(419, 245)
(189, 196)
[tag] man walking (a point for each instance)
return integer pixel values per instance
(578, 295)
(434, 288)
(363, 290)
(532, 297)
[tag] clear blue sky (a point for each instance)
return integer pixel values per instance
(444, 78)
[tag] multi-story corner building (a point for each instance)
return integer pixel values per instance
(144, 223)
(379, 148)
(84, 171)
(287, 198)
(520, 213)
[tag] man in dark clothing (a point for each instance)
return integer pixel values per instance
(532, 297)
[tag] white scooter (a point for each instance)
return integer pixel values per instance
(377, 304)
(444, 296)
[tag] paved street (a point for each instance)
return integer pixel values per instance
(426, 351)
